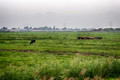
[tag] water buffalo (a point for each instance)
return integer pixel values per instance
(79, 38)
(90, 38)
(82, 37)
(86, 37)
(32, 41)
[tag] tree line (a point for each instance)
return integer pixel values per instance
(46, 28)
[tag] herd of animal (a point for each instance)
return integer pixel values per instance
(89, 37)
(33, 41)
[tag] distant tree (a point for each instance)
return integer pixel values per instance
(84, 29)
(30, 27)
(54, 28)
(76, 29)
(57, 28)
(13, 28)
(4, 28)
(26, 27)
(45, 28)
(49, 28)
(117, 29)
(70, 29)
(108, 29)
(64, 28)
(100, 29)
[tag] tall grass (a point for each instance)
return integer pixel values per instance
(30, 66)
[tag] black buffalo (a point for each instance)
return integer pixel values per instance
(82, 37)
(32, 41)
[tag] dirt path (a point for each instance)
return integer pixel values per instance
(60, 53)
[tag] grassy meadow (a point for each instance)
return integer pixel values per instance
(59, 56)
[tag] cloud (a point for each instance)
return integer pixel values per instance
(75, 13)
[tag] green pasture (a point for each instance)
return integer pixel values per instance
(62, 42)
(59, 55)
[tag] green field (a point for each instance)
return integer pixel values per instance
(59, 55)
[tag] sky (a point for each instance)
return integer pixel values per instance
(60, 13)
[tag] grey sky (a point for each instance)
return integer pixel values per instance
(69, 13)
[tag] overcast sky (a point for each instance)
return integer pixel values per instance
(61, 13)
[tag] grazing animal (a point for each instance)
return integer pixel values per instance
(32, 41)
(90, 38)
(82, 37)
(78, 38)
(98, 37)
(86, 37)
